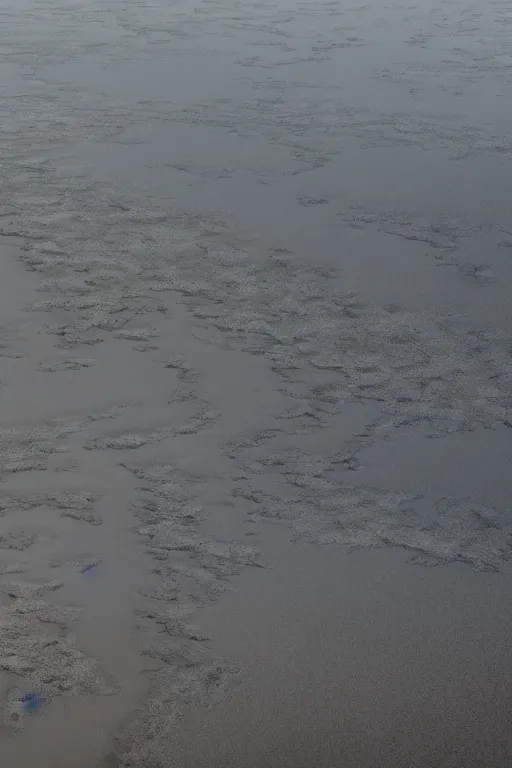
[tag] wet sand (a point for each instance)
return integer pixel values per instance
(256, 375)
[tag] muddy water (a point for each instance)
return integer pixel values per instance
(256, 373)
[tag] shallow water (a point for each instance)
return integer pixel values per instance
(255, 311)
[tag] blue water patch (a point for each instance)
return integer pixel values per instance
(30, 702)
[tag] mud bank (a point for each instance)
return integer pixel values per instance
(255, 334)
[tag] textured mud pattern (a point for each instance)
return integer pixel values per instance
(38, 649)
(199, 358)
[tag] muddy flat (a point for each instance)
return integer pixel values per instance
(255, 385)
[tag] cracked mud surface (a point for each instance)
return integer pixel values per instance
(255, 287)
